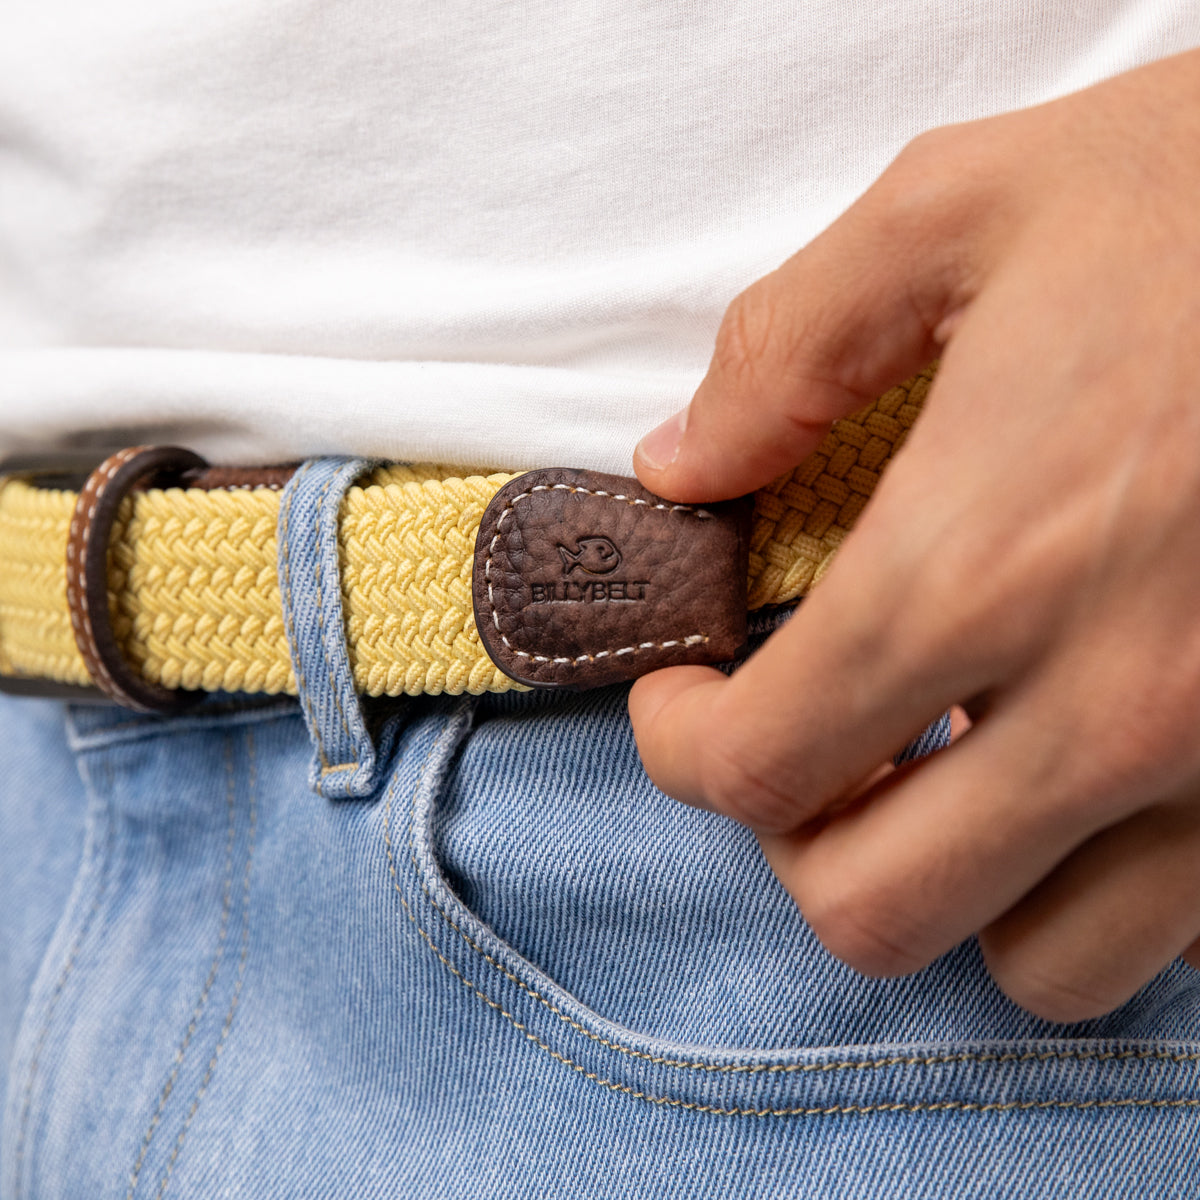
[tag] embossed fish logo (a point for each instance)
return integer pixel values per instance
(592, 555)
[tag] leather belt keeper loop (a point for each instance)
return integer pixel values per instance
(87, 573)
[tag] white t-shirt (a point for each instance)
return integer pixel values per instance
(488, 233)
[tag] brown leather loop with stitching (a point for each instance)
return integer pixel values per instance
(583, 579)
(232, 479)
(87, 573)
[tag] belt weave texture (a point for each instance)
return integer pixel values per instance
(193, 583)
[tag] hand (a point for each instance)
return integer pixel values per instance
(1032, 554)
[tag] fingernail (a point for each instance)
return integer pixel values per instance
(660, 447)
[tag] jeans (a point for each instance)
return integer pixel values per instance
(443, 947)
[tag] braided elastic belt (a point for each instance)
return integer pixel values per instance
(181, 578)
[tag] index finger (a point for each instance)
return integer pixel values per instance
(834, 693)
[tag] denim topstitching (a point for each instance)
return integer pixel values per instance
(240, 978)
(59, 987)
(297, 664)
(202, 1001)
(329, 667)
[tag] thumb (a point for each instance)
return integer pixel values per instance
(858, 310)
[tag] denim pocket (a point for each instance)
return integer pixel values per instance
(647, 948)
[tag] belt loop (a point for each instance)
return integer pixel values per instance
(345, 758)
(87, 574)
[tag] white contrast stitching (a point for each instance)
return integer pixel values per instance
(692, 639)
(92, 491)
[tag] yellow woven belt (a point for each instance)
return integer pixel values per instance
(194, 593)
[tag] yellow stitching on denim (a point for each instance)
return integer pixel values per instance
(800, 1110)
(783, 1068)
(201, 1003)
(251, 787)
(711, 1109)
(329, 672)
(68, 967)
(297, 664)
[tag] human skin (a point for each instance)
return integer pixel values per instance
(1033, 555)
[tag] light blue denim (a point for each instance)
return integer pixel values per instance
(489, 959)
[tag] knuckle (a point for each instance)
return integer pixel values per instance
(917, 180)
(1142, 750)
(932, 163)
(1159, 706)
(940, 182)
(739, 784)
(931, 148)
(922, 155)
(1137, 709)
(1051, 992)
(746, 339)
(1126, 755)
(862, 930)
